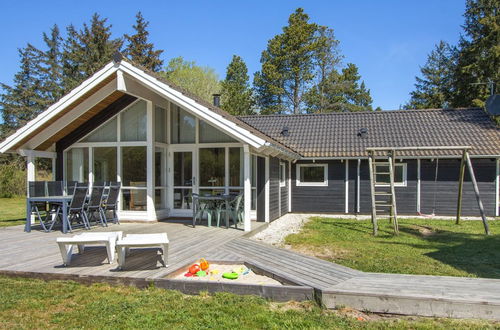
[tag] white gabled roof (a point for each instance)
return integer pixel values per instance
(57, 107)
(226, 123)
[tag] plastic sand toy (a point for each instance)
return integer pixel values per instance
(230, 276)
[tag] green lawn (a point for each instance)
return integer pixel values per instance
(432, 247)
(37, 304)
(12, 211)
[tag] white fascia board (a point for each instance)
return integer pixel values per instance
(69, 117)
(194, 107)
(54, 109)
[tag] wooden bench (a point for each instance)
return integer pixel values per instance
(107, 239)
(142, 241)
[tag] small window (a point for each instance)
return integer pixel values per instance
(312, 175)
(282, 175)
(382, 177)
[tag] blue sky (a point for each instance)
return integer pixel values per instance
(387, 39)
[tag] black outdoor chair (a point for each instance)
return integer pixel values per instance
(54, 188)
(70, 187)
(95, 204)
(111, 202)
(76, 209)
(37, 189)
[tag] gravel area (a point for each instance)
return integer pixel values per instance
(279, 229)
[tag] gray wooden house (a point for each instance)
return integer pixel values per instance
(163, 144)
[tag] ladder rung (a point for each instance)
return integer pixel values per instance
(382, 204)
(384, 173)
(385, 215)
(383, 194)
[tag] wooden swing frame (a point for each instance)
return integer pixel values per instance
(390, 153)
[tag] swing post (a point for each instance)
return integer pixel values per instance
(460, 186)
(476, 192)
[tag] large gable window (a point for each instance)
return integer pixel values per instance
(312, 175)
(106, 133)
(133, 122)
(183, 126)
(382, 177)
(209, 134)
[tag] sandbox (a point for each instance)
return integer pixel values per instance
(259, 280)
(216, 270)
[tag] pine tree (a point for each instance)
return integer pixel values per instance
(327, 58)
(478, 66)
(235, 89)
(139, 49)
(22, 101)
(87, 50)
(51, 66)
(434, 89)
(287, 66)
(340, 92)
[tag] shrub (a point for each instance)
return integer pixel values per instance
(12, 179)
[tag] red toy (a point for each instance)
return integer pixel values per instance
(194, 269)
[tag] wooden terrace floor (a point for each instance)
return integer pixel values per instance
(36, 254)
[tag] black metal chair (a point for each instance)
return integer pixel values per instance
(95, 204)
(54, 188)
(37, 189)
(111, 202)
(70, 187)
(76, 209)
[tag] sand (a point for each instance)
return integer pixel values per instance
(250, 278)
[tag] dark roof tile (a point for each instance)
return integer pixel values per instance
(336, 134)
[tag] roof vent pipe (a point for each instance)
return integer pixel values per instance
(285, 131)
(216, 99)
(363, 133)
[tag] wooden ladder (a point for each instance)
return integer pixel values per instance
(380, 191)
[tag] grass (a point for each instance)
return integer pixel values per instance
(12, 211)
(58, 304)
(430, 247)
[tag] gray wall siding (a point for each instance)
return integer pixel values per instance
(447, 187)
(353, 166)
(332, 198)
(321, 199)
(274, 188)
(284, 192)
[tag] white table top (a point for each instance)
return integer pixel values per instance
(144, 239)
(95, 236)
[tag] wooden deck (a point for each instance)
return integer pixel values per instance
(36, 254)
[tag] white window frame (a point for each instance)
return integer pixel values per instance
(313, 184)
(396, 184)
(282, 174)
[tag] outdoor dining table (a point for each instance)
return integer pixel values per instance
(226, 198)
(64, 200)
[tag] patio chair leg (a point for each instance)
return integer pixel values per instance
(70, 218)
(39, 218)
(102, 216)
(55, 215)
(86, 221)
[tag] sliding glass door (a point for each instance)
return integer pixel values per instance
(184, 181)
